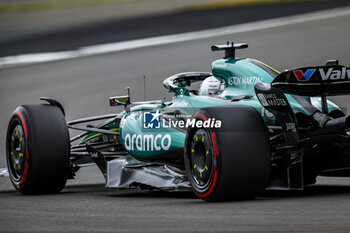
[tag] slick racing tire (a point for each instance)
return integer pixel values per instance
(231, 162)
(37, 149)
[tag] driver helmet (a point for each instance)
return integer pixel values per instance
(210, 86)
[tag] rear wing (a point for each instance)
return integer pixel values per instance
(329, 80)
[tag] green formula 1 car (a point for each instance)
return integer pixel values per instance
(247, 128)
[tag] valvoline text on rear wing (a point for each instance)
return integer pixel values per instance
(315, 81)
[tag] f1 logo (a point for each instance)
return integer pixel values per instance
(304, 76)
(151, 120)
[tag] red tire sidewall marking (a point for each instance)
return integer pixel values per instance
(24, 178)
(216, 154)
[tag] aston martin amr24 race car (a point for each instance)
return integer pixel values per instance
(246, 129)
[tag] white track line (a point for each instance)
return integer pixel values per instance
(25, 59)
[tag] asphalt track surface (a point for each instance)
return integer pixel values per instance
(75, 36)
(84, 85)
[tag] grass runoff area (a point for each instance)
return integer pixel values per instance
(41, 5)
(215, 4)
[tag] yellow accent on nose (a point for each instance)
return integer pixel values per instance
(20, 154)
(206, 168)
(195, 166)
(196, 139)
(192, 150)
(200, 174)
(19, 145)
(20, 140)
(207, 152)
(203, 139)
(13, 138)
(115, 137)
(19, 166)
(16, 132)
(12, 153)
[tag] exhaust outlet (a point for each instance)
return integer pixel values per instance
(338, 124)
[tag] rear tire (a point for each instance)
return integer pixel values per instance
(231, 162)
(37, 149)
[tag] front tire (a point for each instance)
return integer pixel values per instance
(231, 162)
(37, 149)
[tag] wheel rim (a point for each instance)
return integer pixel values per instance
(201, 159)
(17, 158)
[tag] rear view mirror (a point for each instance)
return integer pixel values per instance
(119, 100)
